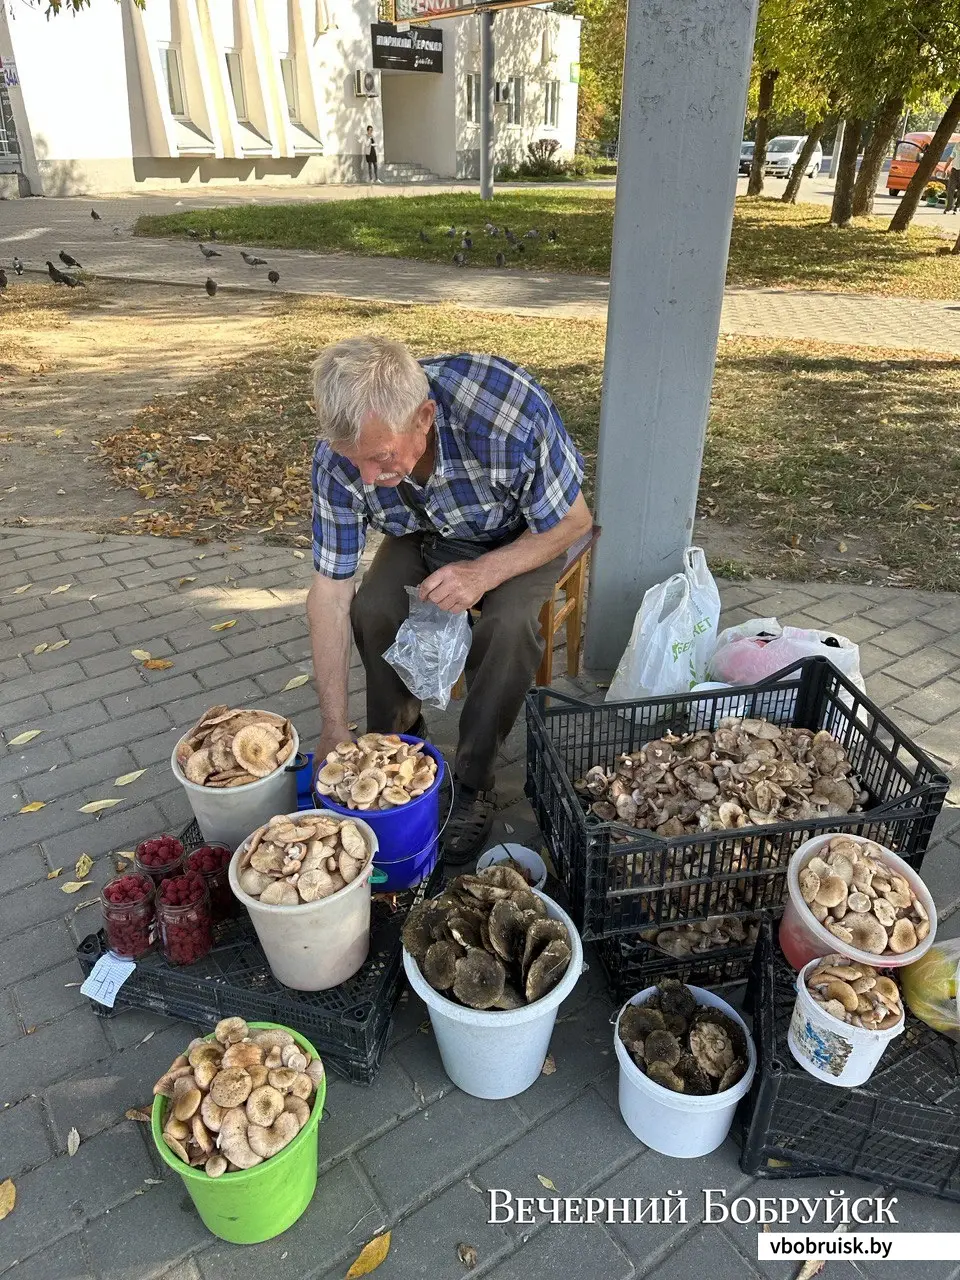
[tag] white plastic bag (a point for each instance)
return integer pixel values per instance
(744, 655)
(430, 650)
(673, 635)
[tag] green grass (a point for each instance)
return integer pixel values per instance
(773, 245)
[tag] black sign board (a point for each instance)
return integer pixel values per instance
(418, 49)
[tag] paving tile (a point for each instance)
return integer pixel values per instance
(352, 1115)
(26, 954)
(93, 771)
(157, 693)
(64, 1260)
(47, 1207)
(582, 1050)
(920, 669)
(25, 1138)
(707, 1253)
(86, 689)
(576, 1253)
(419, 1056)
(10, 1028)
(56, 1050)
(935, 702)
(907, 637)
(62, 617)
(23, 868)
(913, 1213)
(120, 828)
(47, 996)
(147, 1233)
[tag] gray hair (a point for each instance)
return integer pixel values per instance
(364, 377)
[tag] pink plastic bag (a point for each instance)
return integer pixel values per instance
(758, 649)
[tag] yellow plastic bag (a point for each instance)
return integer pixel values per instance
(930, 987)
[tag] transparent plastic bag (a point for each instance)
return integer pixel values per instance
(758, 649)
(430, 650)
(931, 987)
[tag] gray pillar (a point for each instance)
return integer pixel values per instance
(837, 147)
(486, 104)
(685, 82)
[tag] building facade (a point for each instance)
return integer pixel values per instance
(118, 98)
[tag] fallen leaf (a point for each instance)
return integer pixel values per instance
(467, 1255)
(84, 866)
(73, 1142)
(811, 1269)
(298, 555)
(234, 548)
(546, 1182)
(60, 431)
(158, 1182)
(126, 778)
(74, 886)
(549, 1066)
(922, 506)
(33, 806)
(61, 493)
(183, 581)
(223, 626)
(141, 655)
(41, 648)
(158, 664)
(52, 875)
(8, 1198)
(205, 438)
(147, 491)
(28, 735)
(94, 806)
(18, 591)
(60, 644)
(148, 1036)
(141, 1114)
(370, 1256)
(29, 1031)
(353, 726)
(90, 902)
(295, 683)
(841, 546)
(64, 586)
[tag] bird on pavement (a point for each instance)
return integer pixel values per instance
(17, 267)
(552, 234)
(194, 235)
(533, 234)
(56, 275)
(68, 261)
(467, 241)
(424, 238)
(510, 236)
(73, 282)
(251, 261)
(501, 260)
(3, 279)
(489, 228)
(94, 215)
(210, 253)
(273, 277)
(213, 234)
(452, 233)
(116, 231)
(211, 286)
(459, 260)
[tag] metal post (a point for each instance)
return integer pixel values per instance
(486, 104)
(837, 147)
(685, 81)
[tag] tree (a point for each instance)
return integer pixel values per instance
(846, 172)
(803, 161)
(55, 7)
(603, 38)
(881, 136)
(768, 82)
(928, 162)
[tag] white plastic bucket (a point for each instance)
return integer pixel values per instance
(492, 1053)
(804, 938)
(227, 815)
(679, 1124)
(316, 945)
(833, 1051)
(526, 858)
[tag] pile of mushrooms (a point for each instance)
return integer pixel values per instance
(487, 941)
(231, 748)
(855, 993)
(745, 773)
(861, 900)
(296, 859)
(681, 1045)
(237, 1099)
(378, 771)
(713, 934)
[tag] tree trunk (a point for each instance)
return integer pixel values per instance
(928, 162)
(842, 210)
(884, 128)
(800, 168)
(768, 81)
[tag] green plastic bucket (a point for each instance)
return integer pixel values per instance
(256, 1204)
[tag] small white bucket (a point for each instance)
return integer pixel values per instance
(316, 945)
(833, 1051)
(227, 815)
(679, 1124)
(493, 1053)
(526, 858)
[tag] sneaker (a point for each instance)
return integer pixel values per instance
(468, 826)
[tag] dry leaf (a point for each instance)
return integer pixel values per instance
(549, 1066)
(126, 778)
(61, 644)
(58, 590)
(546, 1182)
(142, 1114)
(811, 1269)
(90, 902)
(298, 555)
(295, 683)
(28, 735)
(29, 1031)
(33, 806)
(8, 1198)
(52, 875)
(370, 1257)
(18, 591)
(183, 581)
(84, 866)
(94, 806)
(158, 664)
(73, 1142)
(467, 1255)
(74, 886)
(147, 491)
(224, 626)
(41, 648)
(841, 546)
(141, 655)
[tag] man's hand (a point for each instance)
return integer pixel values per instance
(458, 586)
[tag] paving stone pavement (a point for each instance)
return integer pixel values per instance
(411, 1152)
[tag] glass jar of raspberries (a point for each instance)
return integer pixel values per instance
(211, 861)
(183, 915)
(128, 915)
(159, 858)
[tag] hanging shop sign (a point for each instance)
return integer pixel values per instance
(416, 49)
(427, 10)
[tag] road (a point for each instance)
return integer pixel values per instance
(819, 190)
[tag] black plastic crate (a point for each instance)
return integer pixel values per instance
(622, 880)
(901, 1128)
(631, 965)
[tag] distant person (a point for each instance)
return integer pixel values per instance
(369, 149)
(953, 187)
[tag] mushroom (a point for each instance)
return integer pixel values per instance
(216, 1165)
(253, 882)
(231, 1088)
(178, 1129)
(266, 1141)
(315, 1072)
(255, 750)
(267, 1037)
(231, 1030)
(204, 1073)
(282, 1079)
(809, 885)
(243, 1054)
(832, 891)
(186, 1098)
(258, 1073)
(263, 1106)
(884, 912)
(297, 1107)
(479, 979)
(201, 1135)
(842, 991)
(866, 933)
(177, 1147)
(293, 1057)
(302, 1087)
(903, 938)
(280, 894)
(211, 1113)
(233, 1140)
(164, 1086)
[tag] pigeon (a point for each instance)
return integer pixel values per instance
(459, 260)
(501, 260)
(424, 238)
(511, 238)
(3, 279)
(489, 228)
(273, 277)
(452, 233)
(467, 241)
(211, 286)
(521, 248)
(94, 215)
(68, 261)
(73, 282)
(552, 234)
(116, 231)
(213, 234)
(56, 275)
(495, 232)
(194, 235)
(210, 253)
(251, 261)
(17, 267)
(533, 234)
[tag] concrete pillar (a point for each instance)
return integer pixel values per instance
(486, 104)
(684, 88)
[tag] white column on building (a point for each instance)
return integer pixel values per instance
(486, 104)
(685, 83)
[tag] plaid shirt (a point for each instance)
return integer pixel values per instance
(503, 461)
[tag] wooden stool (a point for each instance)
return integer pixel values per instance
(556, 613)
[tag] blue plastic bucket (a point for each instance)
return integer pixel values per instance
(409, 835)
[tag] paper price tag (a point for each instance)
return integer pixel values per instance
(107, 977)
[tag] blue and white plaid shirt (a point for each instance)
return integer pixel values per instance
(504, 461)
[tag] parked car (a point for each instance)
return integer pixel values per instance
(907, 156)
(746, 157)
(784, 152)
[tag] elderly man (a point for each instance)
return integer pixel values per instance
(463, 463)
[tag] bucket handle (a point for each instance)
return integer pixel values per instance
(380, 877)
(296, 764)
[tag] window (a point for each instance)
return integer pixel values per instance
(173, 74)
(235, 75)
(551, 104)
(288, 70)
(515, 104)
(473, 98)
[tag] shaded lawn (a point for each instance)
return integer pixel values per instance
(823, 460)
(773, 245)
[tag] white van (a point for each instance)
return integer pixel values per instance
(784, 152)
